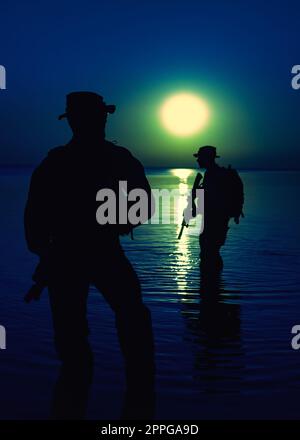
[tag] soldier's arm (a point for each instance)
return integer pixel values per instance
(36, 217)
(139, 180)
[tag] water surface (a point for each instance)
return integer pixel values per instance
(222, 356)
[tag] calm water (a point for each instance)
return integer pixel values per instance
(223, 357)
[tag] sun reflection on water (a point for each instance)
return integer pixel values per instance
(183, 256)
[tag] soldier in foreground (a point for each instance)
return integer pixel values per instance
(75, 251)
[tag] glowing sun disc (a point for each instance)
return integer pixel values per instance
(184, 114)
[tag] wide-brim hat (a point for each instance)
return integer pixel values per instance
(85, 103)
(207, 150)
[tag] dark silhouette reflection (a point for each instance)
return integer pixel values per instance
(76, 251)
(214, 327)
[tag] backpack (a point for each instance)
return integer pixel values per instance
(234, 192)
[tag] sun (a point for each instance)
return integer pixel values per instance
(184, 114)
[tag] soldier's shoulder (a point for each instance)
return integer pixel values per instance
(229, 170)
(231, 176)
(57, 155)
(123, 154)
(53, 156)
(57, 152)
(118, 149)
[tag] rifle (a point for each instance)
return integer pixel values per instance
(191, 203)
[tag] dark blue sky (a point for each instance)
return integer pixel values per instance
(238, 55)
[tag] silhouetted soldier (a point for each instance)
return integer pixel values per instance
(61, 227)
(223, 199)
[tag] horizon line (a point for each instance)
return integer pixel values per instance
(8, 165)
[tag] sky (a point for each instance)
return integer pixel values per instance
(236, 55)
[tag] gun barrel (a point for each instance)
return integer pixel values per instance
(181, 230)
(196, 185)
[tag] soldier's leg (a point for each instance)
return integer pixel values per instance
(68, 297)
(209, 249)
(211, 240)
(120, 286)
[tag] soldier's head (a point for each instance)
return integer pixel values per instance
(86, 113)
(206, 156)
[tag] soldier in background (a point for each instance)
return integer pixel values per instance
(75, 251)
(223, 199)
